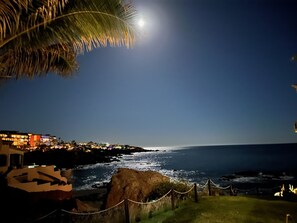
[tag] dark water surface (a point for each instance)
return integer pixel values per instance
(272, 164)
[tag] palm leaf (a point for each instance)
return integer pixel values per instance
(13, 12)
(31, 30)
(57, 59)
(79, 22)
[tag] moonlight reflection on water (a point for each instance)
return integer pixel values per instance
(223, 164)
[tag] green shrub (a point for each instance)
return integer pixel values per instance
(162, 188)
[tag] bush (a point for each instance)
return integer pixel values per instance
(162, 188)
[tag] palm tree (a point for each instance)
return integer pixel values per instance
(42, 36)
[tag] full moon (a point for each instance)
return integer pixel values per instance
(141, 23)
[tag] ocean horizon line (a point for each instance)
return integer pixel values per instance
(210, 145)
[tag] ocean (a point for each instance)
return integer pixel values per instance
(268, 165)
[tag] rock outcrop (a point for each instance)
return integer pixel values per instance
(83, 207)
(132, 184)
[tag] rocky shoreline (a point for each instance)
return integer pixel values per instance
(63, 158)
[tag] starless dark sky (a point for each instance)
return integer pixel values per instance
(202, 72)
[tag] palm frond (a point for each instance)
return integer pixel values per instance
(10, 16)
(81, 22)
(13, 12)
(23, 62)
(41, 36)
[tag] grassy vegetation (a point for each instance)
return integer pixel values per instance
(227, 209)
(164, 187)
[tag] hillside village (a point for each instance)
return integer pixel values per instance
(46, 149)
(46, 142)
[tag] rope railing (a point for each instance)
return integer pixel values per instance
(204, 186)
(135, 210)
(44, 217)
(145, 210)
(116, 212)
(150, 202)
(186, 192)
(93, 213)
(218, 186)
(130, 211)
(142, 210)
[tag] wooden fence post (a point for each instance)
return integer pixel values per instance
(127, 215)
(196, 193)
(287, 218)
(172, 199)
(209, 187)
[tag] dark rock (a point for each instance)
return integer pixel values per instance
(132, 184)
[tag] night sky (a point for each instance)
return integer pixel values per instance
(201, 72)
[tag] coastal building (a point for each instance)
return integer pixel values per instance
(27, 140)
(15, 138)
(48, 140)
(34, 140)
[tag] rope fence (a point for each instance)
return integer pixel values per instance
(126, 211)
(50, 217)
(116, 213)
(130, 211)
(140, 210)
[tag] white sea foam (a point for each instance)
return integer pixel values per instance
(195, 165)
(245, 179)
